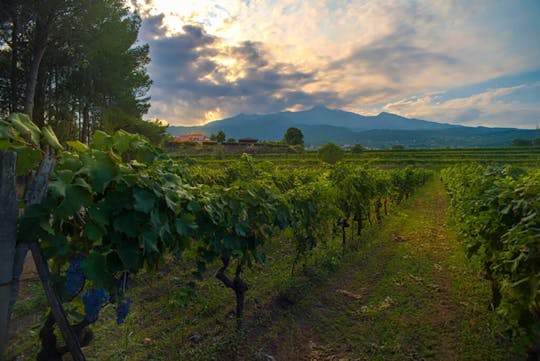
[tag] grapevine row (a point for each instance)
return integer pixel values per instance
(120, 204)
(498, 213)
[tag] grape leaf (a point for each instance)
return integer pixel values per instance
(95, 269)
(144, 200)
(76, 198)
(50, 137)
(100, 168)
(129, 253)
(101, 140)
(94, 232)
(78, 146)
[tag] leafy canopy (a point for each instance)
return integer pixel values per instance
(294, 136)
(331, 153)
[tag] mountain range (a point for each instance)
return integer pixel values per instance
(321, 125)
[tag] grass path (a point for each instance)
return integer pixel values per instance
(410, 294)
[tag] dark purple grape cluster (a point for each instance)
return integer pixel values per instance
(122, 310)
(93, 301)
(74, 276)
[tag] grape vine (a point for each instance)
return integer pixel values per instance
(498, 212)
(120, 205)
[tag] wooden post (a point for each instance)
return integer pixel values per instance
(8, 237)
(57, 310)
(33, 195)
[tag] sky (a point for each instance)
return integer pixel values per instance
(454, 61)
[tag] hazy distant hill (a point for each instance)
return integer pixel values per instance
(321, 125)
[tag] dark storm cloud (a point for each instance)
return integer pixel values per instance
(151, 27)
(178, 59)
(184, 68)
(250, 51)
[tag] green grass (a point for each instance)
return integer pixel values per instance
(26, 319)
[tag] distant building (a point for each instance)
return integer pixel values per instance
(247, 140)
(191, 137)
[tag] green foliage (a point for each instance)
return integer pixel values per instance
(120, 202)
(293, 136)
(21, 135)
(124, 205)
(219, 136)
(356, 188)
(359, 191)
(93, 72)
(313, 212)
(235, 221)
(405, 180)
(520, 142)
(498, 211)
(357, 148)
(116, 119)
(331, 153)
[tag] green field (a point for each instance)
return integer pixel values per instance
(526, 156)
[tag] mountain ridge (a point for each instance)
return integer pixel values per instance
(321, 125)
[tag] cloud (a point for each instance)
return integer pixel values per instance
(489, 108)
(200, 77)
(394, 58)
(211, 61)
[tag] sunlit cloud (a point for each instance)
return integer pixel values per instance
(217, 59)
(488, 108)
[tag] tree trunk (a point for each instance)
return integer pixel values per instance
(85, 131)
(360, 225)
(352, 232)
(237, 285)
(378, 205)
(240, 288)
(344, 234)
(496, 295)
(312, 242)
(40, 45)
(38, 113)
(8, 237)
(14, 83)
(49, 351)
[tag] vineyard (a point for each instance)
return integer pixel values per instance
(220, 259)
(430, 158)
